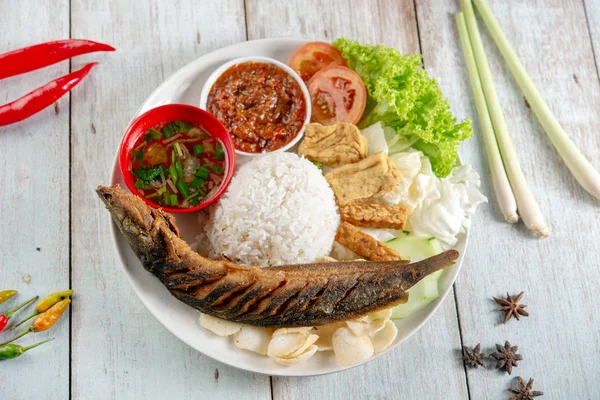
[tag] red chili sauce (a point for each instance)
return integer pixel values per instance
(178, 164)
(260, 104)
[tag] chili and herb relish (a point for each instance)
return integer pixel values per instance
(260, 104)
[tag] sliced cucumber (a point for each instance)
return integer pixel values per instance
(416, 249)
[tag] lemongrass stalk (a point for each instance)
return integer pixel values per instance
(504, 194)
(579, 166)
(526, 204)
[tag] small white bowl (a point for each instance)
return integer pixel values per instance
(219, 71)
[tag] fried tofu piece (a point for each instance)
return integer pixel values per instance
(364, 245)
(374, 216)
(333, 145)
(372, 177)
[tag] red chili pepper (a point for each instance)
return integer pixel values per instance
(5, 317)
(41, 97)
(41, 55)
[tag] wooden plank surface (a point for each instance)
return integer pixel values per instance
(34, 232)
(119, 350)
(431, 352)
(559, 275)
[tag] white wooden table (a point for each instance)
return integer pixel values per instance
(55, 234)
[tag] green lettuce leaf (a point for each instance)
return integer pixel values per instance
(403, 96)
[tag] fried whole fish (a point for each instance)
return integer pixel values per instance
(285, 296)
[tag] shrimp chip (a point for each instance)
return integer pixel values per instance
(285, 331)
(310, 340)
(370, 323)
(383, 338)
(219, 326)
(350, 349)
(284, 345)
(253, 338)
(325, 333)
(301, 358)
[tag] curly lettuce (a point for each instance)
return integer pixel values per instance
(404, 97)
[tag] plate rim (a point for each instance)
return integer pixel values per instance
(117, 236)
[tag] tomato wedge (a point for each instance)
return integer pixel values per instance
(338, 95)
(314, 56)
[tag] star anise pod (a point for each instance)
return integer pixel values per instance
(507, 356)
(473, 357)
(524, 392)
(512, 307)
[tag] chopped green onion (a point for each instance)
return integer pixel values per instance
(202, 173)
(194, 201)
(167, 131)
(173, 156)
(165, 198)
(151, 195)
(219, 153)
(174, 201)
(198, 149)
(183, 188)
(179, 169)
(319, 164)
(140, 184)
(173, 173)
(217, 169)
(197, 182)
(161, 190)
(193, 194)
(179, 151)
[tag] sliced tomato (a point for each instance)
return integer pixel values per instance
(314, 56)
(338, 95)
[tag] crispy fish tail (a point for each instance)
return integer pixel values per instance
(292, 295)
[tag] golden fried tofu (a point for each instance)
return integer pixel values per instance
(364, 245)
(374, 216)
(333, 145)
(372, 177)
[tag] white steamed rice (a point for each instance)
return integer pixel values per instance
(278, 209)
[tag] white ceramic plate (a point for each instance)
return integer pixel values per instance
(184, 87)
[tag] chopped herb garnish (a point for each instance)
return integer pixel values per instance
(167, 131)
(139, 155)
(202, 173)
(406, 232)
(140, 184)
(147, 175)
(165, 199)
(198, 149)
(179, 169)
(173, 173)
(152, 134)
(174, 201)
(217, 169)
(173, 156)
(183, 188)
(195, 201)
(182, 126)
(219, 153)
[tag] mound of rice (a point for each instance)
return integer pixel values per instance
(278, 209)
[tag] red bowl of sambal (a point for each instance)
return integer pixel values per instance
(177, 157)
(263, 103)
